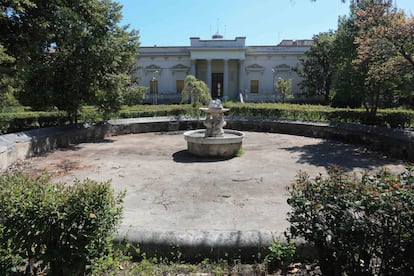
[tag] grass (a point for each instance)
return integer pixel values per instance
(240, 153)
(130, 260)
(208, 267)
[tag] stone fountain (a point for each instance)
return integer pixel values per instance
(214, 141)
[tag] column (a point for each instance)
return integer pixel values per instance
(209, 73)
(241, 77)
(226, 91)
(193, 67)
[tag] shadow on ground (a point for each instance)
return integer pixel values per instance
(328, 153)
(183, 156)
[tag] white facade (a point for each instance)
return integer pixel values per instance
(228, 67)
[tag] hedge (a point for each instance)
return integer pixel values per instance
(392, 118)
(20, 121)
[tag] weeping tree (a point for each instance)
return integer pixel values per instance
(195, 91)
(284, 87)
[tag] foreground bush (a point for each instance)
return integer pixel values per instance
(63, 229)
(358, 226)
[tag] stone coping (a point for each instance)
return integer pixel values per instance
(197, 245)
(21, 145)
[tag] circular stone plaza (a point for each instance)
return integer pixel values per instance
(199, 205)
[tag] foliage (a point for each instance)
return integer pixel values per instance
(348, 80)
(11, 51)
(19, 121)
(371, 57)
(6, 80)
(134, 95)
(281, 255)
(63, 228)
(284, 88)
(196, 91)
(317, 68)
(385, 52)
(70, 53)
(359, 226)
(393, 118)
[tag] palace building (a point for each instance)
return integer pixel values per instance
(232, 70)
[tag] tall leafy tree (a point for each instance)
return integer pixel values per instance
(348, 80)
(317, 68)
(386, 48)
(10, 51)
(386, 51)
(6, 79)
(77, 54)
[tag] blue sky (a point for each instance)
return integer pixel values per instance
(262, 22)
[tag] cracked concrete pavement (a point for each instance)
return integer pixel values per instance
(170, 191)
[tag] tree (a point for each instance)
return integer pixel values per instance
(77, 51)
(284, 88)
(348, 80)
(6, 79)
(196, 91)
(386, 51)
(317, 68)
(9, 50)
(386, 47)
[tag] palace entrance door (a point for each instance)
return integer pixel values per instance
(216, 85)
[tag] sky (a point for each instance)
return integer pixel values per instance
(262, 22)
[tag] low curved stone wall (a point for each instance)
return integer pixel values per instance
(22, 145)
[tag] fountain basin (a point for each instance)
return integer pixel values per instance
(226, 145)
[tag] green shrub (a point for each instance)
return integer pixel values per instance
(397, 119)
(155, 111)
(394, 118)
(134, 95)
(359, 226)
(385, 117)
(280, 255)
(61, 228)
(20, 121)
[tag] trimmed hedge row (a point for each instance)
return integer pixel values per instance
(21, 121)
(385, 118)
(13, 122)
(164, 110)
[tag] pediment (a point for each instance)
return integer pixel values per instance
(282, 67)
(255, 67)
(152, 67)
(179, 67)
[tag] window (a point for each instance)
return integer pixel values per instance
(153, 86)
(179, 85)
(254, 86)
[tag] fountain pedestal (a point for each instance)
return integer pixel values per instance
(214, 141)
